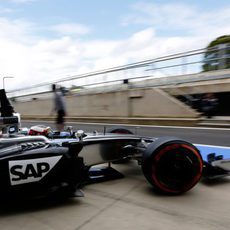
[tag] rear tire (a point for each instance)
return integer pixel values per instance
(120, 130)
(172, 166)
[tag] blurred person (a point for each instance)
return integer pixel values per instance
(59, 107)
(209, 105)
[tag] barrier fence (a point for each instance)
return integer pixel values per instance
(190, 62)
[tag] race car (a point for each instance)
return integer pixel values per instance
(216, 159)
(37, 165)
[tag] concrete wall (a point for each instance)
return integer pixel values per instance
(157, 103)
(148, 102)
(207, 82)
(215, 86)
(100, 104)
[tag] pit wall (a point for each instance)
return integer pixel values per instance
(148, 102)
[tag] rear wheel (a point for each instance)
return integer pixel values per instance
(172, 167)
(120, 130)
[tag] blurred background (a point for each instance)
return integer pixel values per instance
(132, 59)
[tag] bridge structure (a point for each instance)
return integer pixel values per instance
(161, 91)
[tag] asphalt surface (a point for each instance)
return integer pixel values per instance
(209, 136)
(130, 203)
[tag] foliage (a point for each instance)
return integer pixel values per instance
(215, 56)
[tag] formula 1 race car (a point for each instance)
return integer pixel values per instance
(37, 165)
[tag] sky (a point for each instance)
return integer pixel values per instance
(47, 40)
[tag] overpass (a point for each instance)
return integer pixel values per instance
(140, 98)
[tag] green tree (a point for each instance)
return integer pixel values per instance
(217, 55)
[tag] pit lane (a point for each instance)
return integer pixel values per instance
(130, 203)
(199, 135)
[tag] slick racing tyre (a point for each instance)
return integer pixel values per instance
(119, 130)
(172, 166)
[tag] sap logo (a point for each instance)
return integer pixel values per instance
(27, 171)
(30, 171)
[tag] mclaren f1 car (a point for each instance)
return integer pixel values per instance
(41, 165)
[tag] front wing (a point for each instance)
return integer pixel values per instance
(216, 160)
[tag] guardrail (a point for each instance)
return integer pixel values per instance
(190, 62)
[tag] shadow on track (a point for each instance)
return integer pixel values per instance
(12, 207)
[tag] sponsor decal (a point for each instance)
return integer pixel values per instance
(27, 171)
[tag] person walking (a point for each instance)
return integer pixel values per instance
(59, 107)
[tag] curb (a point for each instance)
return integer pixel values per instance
(125, 120)
(218, 122)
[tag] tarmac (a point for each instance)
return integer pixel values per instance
(128, 204)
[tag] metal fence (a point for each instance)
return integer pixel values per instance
(190, 62)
